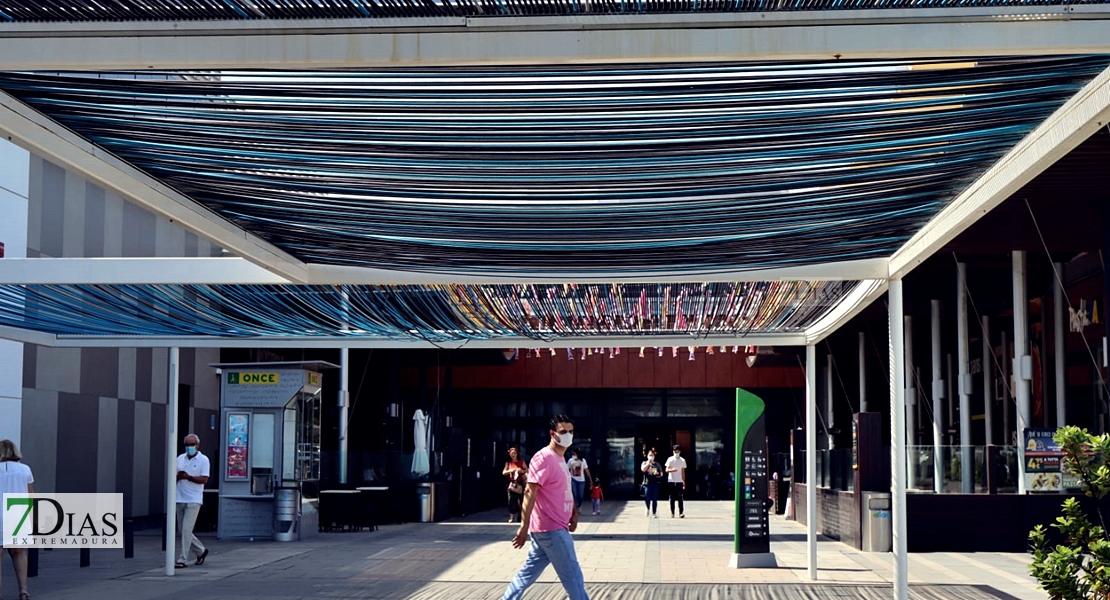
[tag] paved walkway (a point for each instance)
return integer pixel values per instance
(624, 555)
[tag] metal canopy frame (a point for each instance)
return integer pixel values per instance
(802, 35)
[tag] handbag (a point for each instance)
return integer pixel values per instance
(516, 487)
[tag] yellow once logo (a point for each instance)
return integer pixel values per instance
(314, 379)
(258, 378)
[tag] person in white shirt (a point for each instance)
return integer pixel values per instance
(15, 478)
(192, 474)
(676, 479)
(579, 477)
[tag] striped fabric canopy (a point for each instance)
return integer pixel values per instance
(430, 313)
(150, 10)
(693, 169)
(682, 169)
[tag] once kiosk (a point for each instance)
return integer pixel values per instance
(270, 449)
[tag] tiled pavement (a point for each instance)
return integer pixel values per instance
(624, 556)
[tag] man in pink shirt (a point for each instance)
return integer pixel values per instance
(548, 518)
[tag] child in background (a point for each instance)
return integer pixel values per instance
(596, 496)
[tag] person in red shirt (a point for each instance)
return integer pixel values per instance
(596, 496)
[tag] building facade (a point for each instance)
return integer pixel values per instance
(94, 419)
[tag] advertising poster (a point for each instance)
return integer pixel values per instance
(1042, 462)
(237, 436)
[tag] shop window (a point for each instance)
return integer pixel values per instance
(693, 406)
(622, 459)
(632, 406)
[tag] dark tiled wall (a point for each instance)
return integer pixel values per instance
(84, 429)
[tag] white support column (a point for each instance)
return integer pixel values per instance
(988, 383)
(171, 460)
(344, 400)
(938, 395)
(950, 396)
(1007, 387)
(829, 412)
(1022, 361)
(862, 372)
(898, 411)
(1061, 344)
(344, 403)
(910, 393)
(963, 362)
(811, 460)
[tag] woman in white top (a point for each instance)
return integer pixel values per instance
(15, 478)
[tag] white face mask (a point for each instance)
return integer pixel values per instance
(564, 439)
(651, 457)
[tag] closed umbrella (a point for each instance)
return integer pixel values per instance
(420, 437)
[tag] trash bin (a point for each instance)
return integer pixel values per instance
(287, 514)
(426, 499)
(876, 529)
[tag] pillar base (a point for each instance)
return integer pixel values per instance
(761, 560)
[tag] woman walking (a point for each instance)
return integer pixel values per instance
(653, 480)
(516, 470)
(15, 478)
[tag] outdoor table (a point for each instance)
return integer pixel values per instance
(339, 509)
(372, 504)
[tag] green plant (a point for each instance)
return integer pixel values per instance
(1080, 566)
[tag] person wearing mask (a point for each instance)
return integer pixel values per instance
(15, 478)
(676, 479)
(579, 477)
(653, 480)
(192, 474)
(549, 516)
(516, 470)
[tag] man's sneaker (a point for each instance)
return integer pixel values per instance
(647, 512)
(682, 516)
(672, 515)
(655, 516)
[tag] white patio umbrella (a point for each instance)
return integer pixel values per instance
(420, 437)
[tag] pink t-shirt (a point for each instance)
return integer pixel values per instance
(554, 503)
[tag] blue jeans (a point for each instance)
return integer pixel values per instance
(578, 490)
(557, 549)
(651, 497)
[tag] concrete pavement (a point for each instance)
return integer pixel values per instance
(624, 555)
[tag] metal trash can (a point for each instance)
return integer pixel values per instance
(426, 498)
(876, 527)
(287, 514)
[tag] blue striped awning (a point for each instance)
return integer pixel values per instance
(179, 10)
(651, 168)
(430, 313)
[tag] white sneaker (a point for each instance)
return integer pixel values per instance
(647, 512)
(655, 516)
